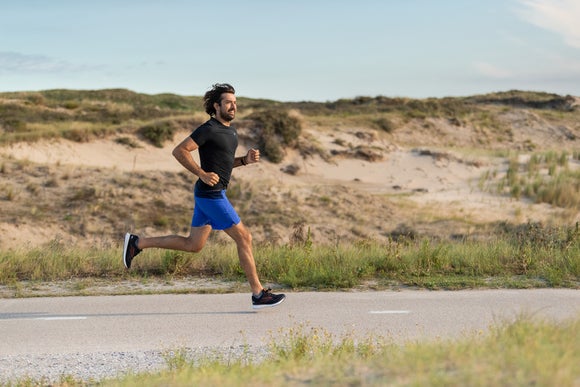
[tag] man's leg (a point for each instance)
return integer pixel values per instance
(193, 243)
(261, 298)
(241, 235)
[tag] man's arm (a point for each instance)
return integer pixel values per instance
(182, 153)
(253, 156)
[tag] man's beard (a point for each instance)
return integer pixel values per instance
(228, 116)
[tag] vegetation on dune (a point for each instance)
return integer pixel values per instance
(81, 115)
(529, 99)
(545, 177)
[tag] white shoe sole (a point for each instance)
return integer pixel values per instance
(268, 305)
(125, 246)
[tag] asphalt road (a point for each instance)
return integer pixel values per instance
(157, 322)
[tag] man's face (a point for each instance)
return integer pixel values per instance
(226, 109)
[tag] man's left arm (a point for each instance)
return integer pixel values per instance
(253, 156)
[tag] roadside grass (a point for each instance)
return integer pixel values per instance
(526, 256)
(526, 351)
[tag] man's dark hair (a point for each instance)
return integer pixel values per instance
(214, 96)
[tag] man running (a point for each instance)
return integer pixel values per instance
(216, 141)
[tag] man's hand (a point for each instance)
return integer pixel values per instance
(253, 156)
(209, 178)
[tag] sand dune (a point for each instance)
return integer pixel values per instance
(425, 188)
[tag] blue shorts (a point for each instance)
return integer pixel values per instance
(217, 212)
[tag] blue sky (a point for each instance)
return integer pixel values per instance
(317, 50)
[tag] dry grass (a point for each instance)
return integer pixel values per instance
(550, 177)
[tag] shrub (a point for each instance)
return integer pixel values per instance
(127, 141)
(76, 135)
(158, 132)
(36, 99)
(276, 129)
(385, 124)
(13, 125)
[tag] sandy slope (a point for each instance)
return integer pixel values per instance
(422, 188)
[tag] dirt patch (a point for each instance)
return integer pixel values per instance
(95, 286)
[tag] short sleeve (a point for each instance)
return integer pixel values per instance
(200, 135)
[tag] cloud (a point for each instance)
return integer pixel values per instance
(559, 16)
(23, 63)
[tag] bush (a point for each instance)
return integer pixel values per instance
(158, 132)
(13, 125)
(384, 124)
(276, 129)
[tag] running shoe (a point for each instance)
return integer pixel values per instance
(267, 299)
(130, 249)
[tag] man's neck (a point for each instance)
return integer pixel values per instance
(222, 121)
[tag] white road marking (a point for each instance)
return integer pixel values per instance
(389, 312)
(61, 318)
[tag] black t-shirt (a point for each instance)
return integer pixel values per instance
(217, 148)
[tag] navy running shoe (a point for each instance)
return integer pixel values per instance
(267, 299)
(130, 249)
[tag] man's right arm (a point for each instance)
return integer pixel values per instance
(182, 153)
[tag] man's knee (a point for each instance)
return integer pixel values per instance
(194, 246)
(241, 235)
(196, 240)
(246, 237)
(195, 249)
